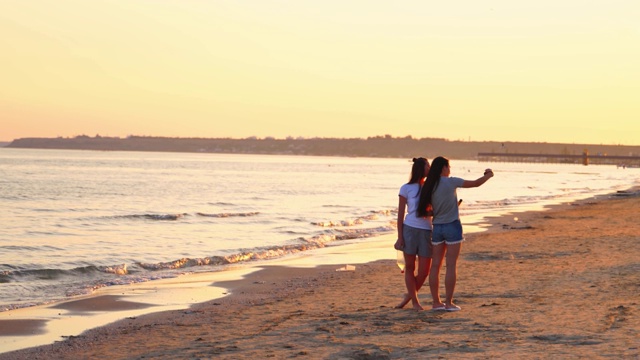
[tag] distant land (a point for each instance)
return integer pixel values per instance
(378, 146)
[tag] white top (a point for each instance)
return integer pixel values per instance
(411, 192)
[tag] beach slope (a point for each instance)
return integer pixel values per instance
(562, 283)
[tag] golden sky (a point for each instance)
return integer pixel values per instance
(504, 70)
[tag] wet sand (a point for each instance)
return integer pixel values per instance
(561, 283)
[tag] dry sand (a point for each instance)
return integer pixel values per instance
(562, 283)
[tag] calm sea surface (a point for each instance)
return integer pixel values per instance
(75, 221)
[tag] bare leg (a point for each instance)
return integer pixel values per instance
(434, 276)
(405, 301)
(410, 281)
(424, 265)
(453, 251)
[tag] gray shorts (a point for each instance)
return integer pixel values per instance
(416, 241)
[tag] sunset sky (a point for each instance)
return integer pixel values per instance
(504, 70)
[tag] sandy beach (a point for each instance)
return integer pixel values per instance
(560, 283)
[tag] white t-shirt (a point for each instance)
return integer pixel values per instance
(445, 200)
(411, 192)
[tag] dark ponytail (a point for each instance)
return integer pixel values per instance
(417, 170)
(433, 178)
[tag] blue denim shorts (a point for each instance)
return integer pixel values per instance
(416, 241)
(449, 234)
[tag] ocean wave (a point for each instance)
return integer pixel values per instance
(40, 274)
(4, 277)
(87, 279)
(221, 203)
(224, 215)
(52, 274)
(302, 244)
(349, 234)
(25, 248)
(352, 222)
(119, 270)
(183, 263)
(178, 216)
(160, 217)
(116, 269)
(338, 223)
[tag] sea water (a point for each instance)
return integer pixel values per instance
(75, 221)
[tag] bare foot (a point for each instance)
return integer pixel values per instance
(452, 307)
(404, 301)
(417, 307)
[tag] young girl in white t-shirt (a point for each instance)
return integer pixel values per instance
(414, 234)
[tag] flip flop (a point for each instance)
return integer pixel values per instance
(438, 308)
(453, 308)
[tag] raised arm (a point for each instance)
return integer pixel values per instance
(479, 181)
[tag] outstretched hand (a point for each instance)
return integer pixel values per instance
(488, 172)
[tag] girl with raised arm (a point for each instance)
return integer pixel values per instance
(439, 195)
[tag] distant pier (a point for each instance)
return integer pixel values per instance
(584, 159)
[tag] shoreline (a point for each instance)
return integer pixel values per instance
(278, 285)
(48, 324)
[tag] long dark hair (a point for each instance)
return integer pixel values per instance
(433, 179)
(417, 170)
